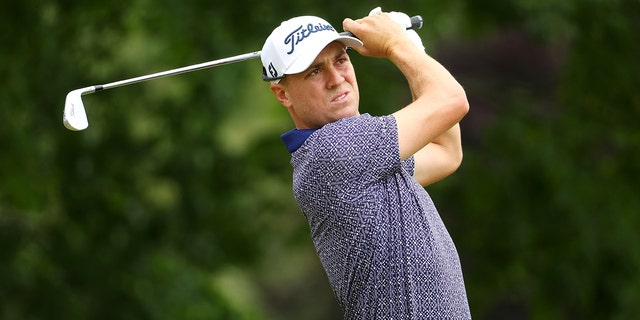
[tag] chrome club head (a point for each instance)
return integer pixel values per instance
(75, 117)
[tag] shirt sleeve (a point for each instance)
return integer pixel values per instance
(362, 148)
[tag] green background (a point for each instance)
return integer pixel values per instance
(176, 202)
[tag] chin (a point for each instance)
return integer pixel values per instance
(352, 111)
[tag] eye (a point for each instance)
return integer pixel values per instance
(342, 59)
(313, 72)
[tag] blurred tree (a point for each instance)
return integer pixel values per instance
(547, 193)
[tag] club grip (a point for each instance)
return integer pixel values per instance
(416, 23)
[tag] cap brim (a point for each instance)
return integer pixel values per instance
(303, 62)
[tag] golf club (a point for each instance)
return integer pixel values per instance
(75, 116)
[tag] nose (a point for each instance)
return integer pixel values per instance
(334, 77)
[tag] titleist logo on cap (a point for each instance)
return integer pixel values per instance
(301, 33)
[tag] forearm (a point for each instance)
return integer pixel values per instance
(424, 74)
(451, 142)
(439, 100)
(439, 104)
(440, 158)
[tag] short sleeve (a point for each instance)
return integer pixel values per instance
(357, 148)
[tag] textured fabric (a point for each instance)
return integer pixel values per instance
(386, 252)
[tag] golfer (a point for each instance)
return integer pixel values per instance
(359, 179)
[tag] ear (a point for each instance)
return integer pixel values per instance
(281, 94)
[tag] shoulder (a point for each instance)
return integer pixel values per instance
(361, 123)
(358, 129)
(363, 141)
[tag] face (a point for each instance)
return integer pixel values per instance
(327, 91)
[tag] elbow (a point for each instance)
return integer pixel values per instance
(458, 159)
(464, 109)
(455, 161)
(454, 149)
(455, 158)
(461, 103)
(455, 105)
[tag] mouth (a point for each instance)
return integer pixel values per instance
(341, 97)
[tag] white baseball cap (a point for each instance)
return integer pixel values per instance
(292, 47)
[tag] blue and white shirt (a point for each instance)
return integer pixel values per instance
(382, 243)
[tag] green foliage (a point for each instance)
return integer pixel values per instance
(176, 202)
(547, 195)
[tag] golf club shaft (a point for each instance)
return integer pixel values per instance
(416, 23)
(200, 66)
(74, 116)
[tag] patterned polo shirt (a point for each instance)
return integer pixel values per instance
(386, 252)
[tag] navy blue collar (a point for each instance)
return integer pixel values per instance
(295, 138)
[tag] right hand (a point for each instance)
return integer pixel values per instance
(404, 20)
(380, 34)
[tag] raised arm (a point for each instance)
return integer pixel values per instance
(427, 128)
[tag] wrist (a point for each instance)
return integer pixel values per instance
(404, 50)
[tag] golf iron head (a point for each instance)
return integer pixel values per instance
(74, 116)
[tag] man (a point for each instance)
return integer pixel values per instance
(359, 179)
